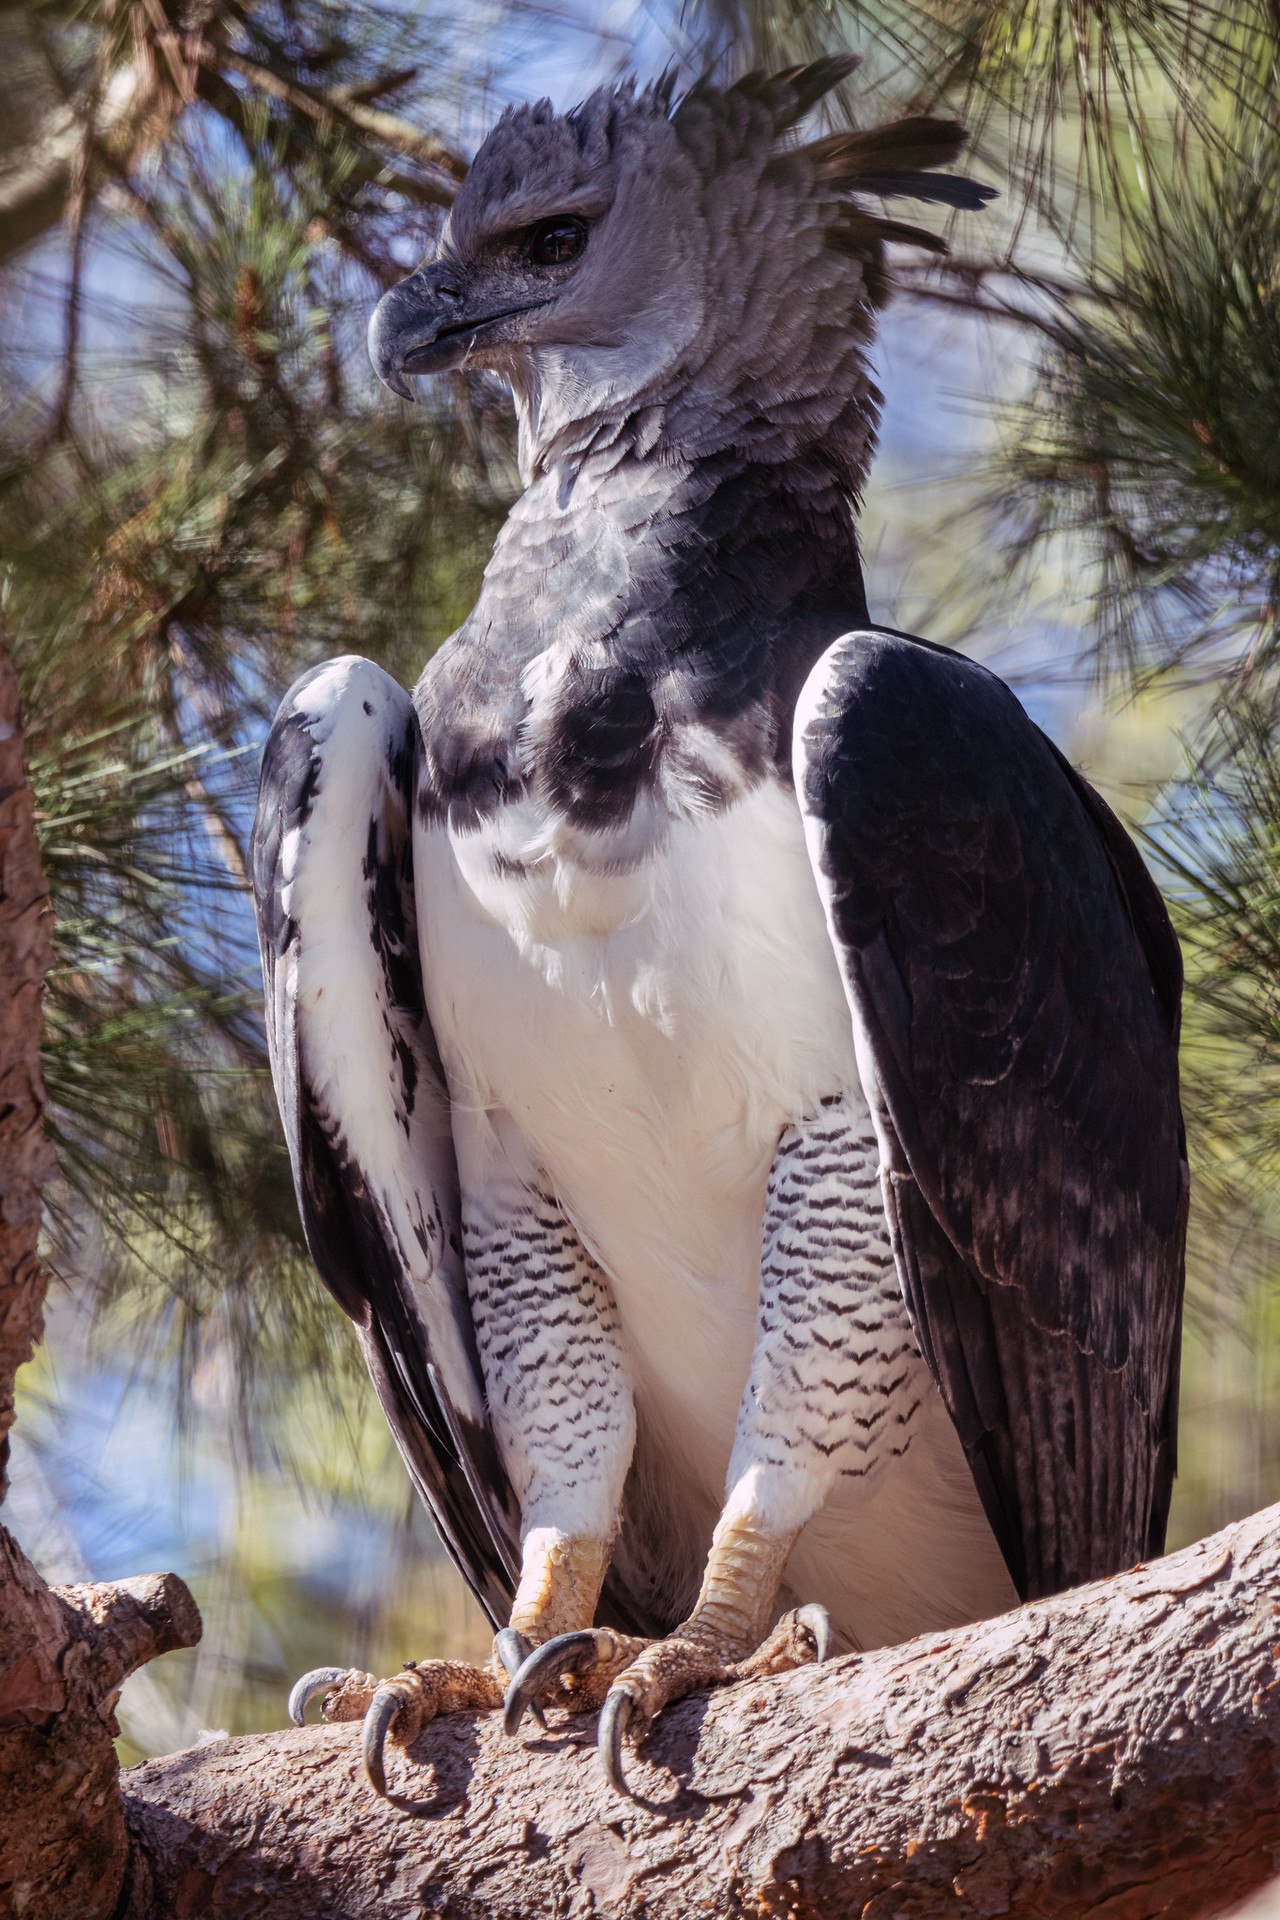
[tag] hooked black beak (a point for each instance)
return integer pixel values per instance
(422, 326)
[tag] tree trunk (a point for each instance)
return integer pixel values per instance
(26, 1160)
(64, 1849)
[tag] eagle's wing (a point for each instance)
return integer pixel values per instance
(1014, 983)
(362, 1094)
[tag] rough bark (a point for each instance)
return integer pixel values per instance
(64, 1653)
(26, 1159)
(1114, 1751)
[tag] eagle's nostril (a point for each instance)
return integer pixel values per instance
(440, 284)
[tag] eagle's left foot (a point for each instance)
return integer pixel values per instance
(399, 1708)
(694, 1656)
(723, 1639)
(634, 1679)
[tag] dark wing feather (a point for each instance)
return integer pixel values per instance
(947, 189)
(362, 1095)
(1014, 982)
(919, 141)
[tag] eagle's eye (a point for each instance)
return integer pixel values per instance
(557, 241)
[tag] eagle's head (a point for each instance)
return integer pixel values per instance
(684, 258)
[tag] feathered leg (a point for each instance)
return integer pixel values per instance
(559, 1394)
(561, 1410)
(823, 1401)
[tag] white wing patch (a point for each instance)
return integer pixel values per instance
(371, 1075)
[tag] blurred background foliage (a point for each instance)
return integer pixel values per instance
(202, 492)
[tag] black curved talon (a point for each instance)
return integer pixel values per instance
(816, 1622)
(382, 1711)
(513, 1649)
(567, 1653)
(319, 1680)
(615, 1718)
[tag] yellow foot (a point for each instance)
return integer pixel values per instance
(634, 1679)
(398, 1709)
(694, 1657)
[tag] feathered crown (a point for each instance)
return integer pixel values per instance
(897, 160)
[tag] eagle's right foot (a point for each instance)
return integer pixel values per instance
(397, 1710)
(560, 1580)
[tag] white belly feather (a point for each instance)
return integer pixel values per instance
(650, 1031)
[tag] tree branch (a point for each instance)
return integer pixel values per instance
(108, 125)
(1114, 1750)
(64, 1653)
(335, 107)
(36, 176)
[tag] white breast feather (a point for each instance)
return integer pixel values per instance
(650, 1031)
(651, 1011)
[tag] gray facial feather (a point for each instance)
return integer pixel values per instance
(728, 283)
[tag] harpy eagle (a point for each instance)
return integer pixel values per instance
(727, 1054)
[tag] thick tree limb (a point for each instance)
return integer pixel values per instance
(63, 1656)
(1113, 1751)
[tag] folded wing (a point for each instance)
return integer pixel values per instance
(1014, 983)
(362, 1094)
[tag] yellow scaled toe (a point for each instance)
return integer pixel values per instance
(397, 1709)
(696, 1656)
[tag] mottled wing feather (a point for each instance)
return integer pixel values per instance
(362, 1095)
(1014, 983)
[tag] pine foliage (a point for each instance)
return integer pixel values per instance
(199, 496)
